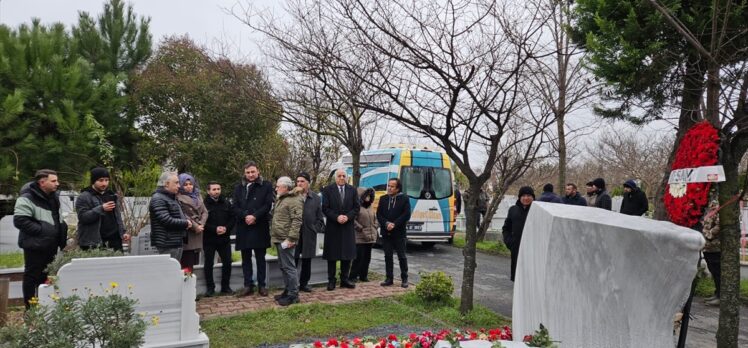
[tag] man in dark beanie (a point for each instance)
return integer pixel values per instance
(515, 223)
(602, 199)
(634, 200)
(312, 223)
(99, 214)
(549, 196)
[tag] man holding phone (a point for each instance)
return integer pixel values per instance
(99, 216)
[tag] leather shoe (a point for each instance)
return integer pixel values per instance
(404, 284)
(330, 286)
(281, 295)
(348, 285)
(263, 291)
(288, 300)
(305, 288)
(210, 293)
(386, 282)
(363, 280)
(227, 290)
(248, 290)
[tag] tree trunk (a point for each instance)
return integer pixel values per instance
(468, 252)
(693, 88)
(561, 154)
(729, 237)
(356, 165)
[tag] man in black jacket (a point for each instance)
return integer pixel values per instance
(634, 200)
(515, 223)
(393, 213)
(217, 238)
(602, 198)
(313, 222)
(168, 223)
(252, 200)
(340, 205)
(41, 230)
(99, 215)
(573, 197)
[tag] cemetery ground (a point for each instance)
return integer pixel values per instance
(373, 310)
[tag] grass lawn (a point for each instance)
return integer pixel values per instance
(11, 260)
(237, 255)
(324, 320)
(489, 247)
(705, 288)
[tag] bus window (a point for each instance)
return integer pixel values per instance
(414, 180)
(441, 183)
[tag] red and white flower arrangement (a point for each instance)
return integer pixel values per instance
(685, 202)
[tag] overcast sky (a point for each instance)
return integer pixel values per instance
(208, 23)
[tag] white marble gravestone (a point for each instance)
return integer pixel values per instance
(157, 283)
(600, 279)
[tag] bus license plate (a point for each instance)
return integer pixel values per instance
(414, 227)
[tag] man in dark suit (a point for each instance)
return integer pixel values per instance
(253, 198)
(340, 205)
(393, 214)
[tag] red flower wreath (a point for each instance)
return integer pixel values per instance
(697, 149)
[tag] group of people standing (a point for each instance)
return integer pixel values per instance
(634, 203)
(184, 223)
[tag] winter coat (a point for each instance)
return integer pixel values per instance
(340, 239)
(197, 213)
(366, 224)
(257, 200)
(634, 202)
(711, 228)
(550, 197)
(36, 215)
(513, 226)
(168, 223)
(576, 199)
(603, 200)
(90, 212)
(398, 213)
(287, 217)
(219, 214)
(312, 222)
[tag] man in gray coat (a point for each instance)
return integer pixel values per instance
(312, 223)
(99, 215)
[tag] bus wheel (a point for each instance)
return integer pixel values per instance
(451, 240)
(428, 245)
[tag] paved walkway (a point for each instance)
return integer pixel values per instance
(211, 307)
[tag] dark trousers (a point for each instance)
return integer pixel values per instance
(247, 266)
(189, 259)
(224, 252)
(391, 245)
(34, 263)
(345, 269)
(713, 264)
(305, 270)
(515, 255)
(360, 267)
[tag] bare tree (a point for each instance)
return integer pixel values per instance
(452, 71)
(316, 95)
(312, 152)
(560, 81)
(624, 155)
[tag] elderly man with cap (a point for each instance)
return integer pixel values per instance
(313, 222)
(99, 215)
(515, 223)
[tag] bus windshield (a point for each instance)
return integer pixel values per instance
(426, 182)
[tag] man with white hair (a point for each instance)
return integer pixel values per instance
(168, 223)
(284, 231)
(340, 205)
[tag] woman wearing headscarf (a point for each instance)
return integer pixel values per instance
(366, 227)
(194, 209)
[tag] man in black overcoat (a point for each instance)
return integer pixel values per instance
(252, 200)
(340, 205)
